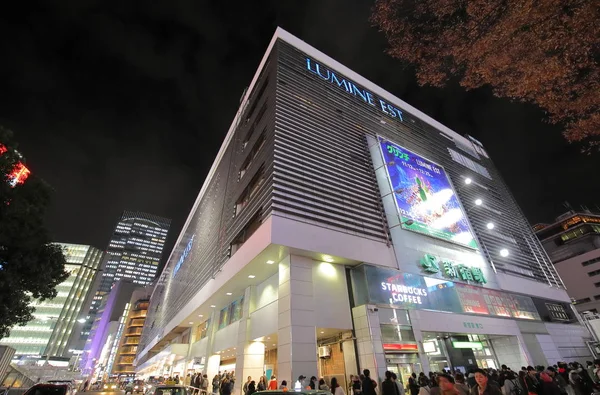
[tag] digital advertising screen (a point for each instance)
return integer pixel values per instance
(424, 195)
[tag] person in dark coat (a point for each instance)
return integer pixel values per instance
(413, 385)
(484, 386)
(368, 385)
(388, 387)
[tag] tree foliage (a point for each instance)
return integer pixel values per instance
(540, 51)
(30, 266)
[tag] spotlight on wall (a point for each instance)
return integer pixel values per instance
(478, 202)
(504, 252)
(468, 181)
(490, 225)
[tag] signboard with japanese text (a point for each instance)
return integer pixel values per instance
(424, 196)
(410, 291)
(432, 264)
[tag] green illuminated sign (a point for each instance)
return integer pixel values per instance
(472, 345)
(432, 264)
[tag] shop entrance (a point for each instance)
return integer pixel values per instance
(403, 365)
(460, 352)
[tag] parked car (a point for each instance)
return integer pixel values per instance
(49, 389)
(169, 390)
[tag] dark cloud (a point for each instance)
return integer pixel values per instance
(123, 104)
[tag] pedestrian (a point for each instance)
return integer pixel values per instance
(313, 383)
(299, 384)
(484, 387)
(283, 386)
(251, 388)
(559, 380)
(368, 384)
(262, 384)
(547, 384)
(336, 389)
(273, 383)
(398, 383)
(187, 380)
(216, 384)
(245, 387)
(447, 385)
(413, 385)
(322, 385)
(459, 384)
(225, 386)
(510, 385)
(531, 382)
(388, 387)
(356, 385)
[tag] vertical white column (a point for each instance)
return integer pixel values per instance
(250, 355)
(297, 337)
(368, 338)
(213, 361)
(416, 328)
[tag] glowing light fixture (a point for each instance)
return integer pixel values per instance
(191, 322)
(200, 315)
(228, 294)
(327, 258)
(490, 225)
(504, 252)
(468, 181)
(213, 306)
(269, 262)
(478, 202)
(251, 276)
(81, 320)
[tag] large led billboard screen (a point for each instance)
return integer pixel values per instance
(424, 197)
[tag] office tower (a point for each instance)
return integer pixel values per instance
(573, 245)
(340, 229)
(133, 254)
(56, 320)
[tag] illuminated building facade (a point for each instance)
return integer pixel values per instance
(340, 229)
(102, 345)
(573, 245)
(132, 330)
(56, 321)
(133, 254)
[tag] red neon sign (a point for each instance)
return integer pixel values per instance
(400, 347)
(19, 173)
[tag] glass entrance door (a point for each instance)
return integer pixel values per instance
(404, 370)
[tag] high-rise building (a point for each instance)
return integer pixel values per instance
(56, 320)
(133, 254)
(573, 245)
(340, 229)
(132, 330)
(103, 343)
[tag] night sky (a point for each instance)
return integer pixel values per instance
(124, 104)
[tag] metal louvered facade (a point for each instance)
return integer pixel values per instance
(322, 158)
(300, 148)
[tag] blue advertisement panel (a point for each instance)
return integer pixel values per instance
(424, 196)
(411, 291)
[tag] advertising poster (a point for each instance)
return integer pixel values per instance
(424, 195)
(472, 300)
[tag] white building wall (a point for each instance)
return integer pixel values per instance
(332, 306)
(570, 341)
(509, 352)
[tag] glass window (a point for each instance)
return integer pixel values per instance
(396, 334)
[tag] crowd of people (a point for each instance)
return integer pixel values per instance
(560, 379)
